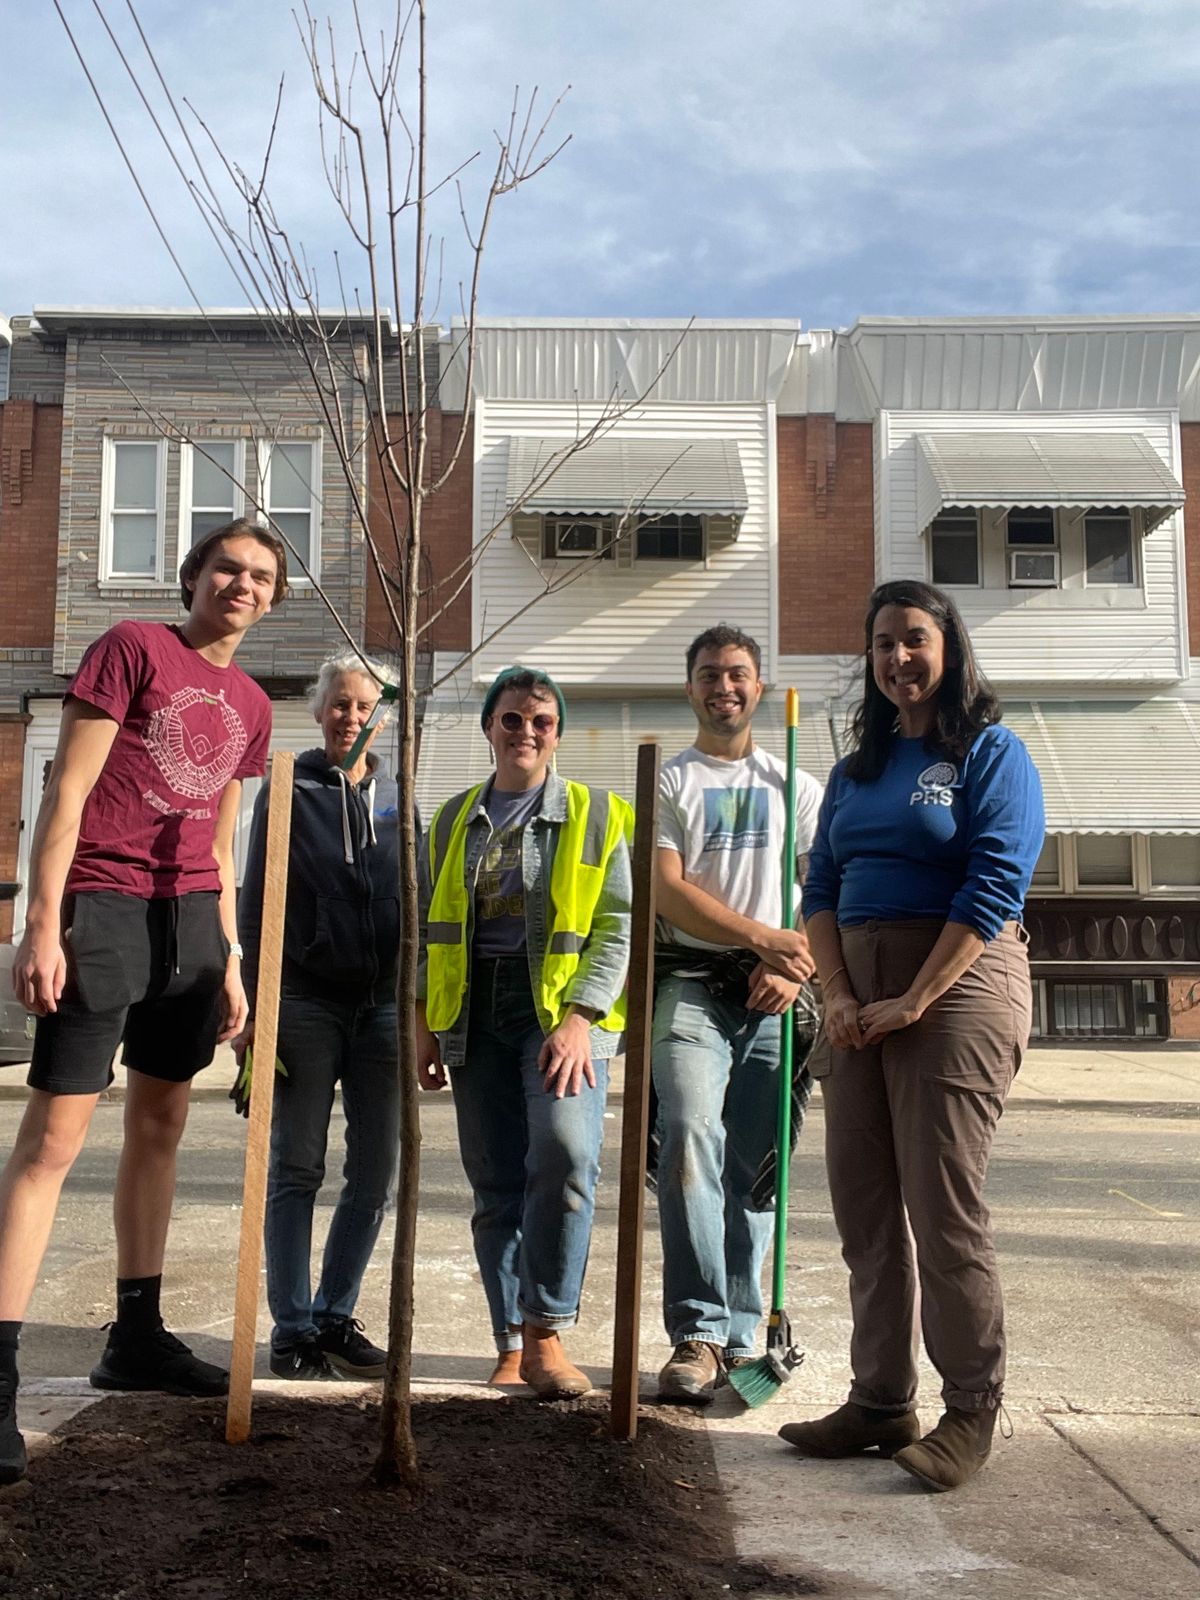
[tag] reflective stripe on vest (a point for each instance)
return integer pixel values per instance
(596, 821)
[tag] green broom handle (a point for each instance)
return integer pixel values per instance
(783, 1122)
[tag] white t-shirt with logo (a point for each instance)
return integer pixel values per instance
(726, 819)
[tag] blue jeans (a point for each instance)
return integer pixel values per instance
(320, 1043)
(532, 1161)
(716, 1074)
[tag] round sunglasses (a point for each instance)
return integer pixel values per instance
(542, 722)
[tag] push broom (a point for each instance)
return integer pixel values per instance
(760, 1380)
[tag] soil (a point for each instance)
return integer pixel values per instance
(140, 1498)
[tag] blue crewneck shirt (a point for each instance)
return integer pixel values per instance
(955, 841)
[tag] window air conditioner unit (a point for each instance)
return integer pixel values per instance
(1033, 569)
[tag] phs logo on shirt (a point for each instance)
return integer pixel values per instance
(935, 785)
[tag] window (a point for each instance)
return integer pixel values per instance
(575, 538)
(133, 521)
(671, 538)
(954, 548)
(1104, 860)
(1130, 1008)
(291, 474)
(1031, 543)
(1047, 872)
(1175, 860)
(1108, 548)
(210, 495)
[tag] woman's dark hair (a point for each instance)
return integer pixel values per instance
(966, 703)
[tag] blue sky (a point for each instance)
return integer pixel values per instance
(815, 159)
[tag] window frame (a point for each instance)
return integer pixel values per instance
(652, 525)
(1130, 888)
(1111, 514)
(959, 514)
(1015, 548)
(554, 522)
(108, 573)
(187, 507)
(264, 450)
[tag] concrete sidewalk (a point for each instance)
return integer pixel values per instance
(1096, 1192)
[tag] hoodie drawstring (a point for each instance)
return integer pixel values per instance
(371, 811)
(347, 840)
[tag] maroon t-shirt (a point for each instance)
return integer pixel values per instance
(187, 729)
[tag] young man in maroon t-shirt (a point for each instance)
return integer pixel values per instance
(131, 935)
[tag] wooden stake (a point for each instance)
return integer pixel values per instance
(262, 1092)
(631, 1203)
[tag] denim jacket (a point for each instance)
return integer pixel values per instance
(602, 965)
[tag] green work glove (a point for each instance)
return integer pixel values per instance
(240, 1093)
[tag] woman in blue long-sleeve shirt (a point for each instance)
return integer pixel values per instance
(925, 846)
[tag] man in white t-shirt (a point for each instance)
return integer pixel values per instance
(717, 1013)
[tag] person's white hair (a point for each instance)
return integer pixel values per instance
(347, 661)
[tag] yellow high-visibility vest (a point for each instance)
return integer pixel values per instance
(596, 820)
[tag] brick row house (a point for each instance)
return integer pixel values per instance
(1046, 472)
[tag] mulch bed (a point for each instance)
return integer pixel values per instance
(141, 1499)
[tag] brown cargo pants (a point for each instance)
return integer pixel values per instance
(908, 1129)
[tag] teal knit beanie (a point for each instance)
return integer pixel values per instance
(504, 680)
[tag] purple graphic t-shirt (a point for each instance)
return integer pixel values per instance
(187, 729)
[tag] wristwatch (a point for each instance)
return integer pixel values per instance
(235, 949)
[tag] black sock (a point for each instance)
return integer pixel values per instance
(137, 1304)
(10, 1338)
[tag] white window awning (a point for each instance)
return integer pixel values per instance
(1113, 766)
(601, 742)
(615, 475)
(1077, 470)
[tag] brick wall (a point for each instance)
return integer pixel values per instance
(30, 462)
(1183, 1006)
(446, 529)
(826, 534)
(12, 754)
(1189, 439)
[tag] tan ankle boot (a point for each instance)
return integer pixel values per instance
(545, 1368)
(953, 1452)
(508, 1371)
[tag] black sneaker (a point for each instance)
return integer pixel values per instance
(303, 1363)
(348, 1348)
(12, 1446)
(156, 1361)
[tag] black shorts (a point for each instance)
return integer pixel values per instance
(150, 972)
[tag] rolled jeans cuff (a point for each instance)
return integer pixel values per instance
(543, 1319)
(508, 1340)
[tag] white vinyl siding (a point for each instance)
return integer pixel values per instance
(1078, 631)
(133, 518)
(614, 624)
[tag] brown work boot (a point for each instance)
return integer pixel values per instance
(850, 1430)
(545, 1368)
(692, 1374)
(508, 1371)
(953, 1452)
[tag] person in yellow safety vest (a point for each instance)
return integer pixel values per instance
(525, 908)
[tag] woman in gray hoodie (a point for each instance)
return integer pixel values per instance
(337, 1023)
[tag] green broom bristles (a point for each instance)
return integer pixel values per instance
(762, 1379)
